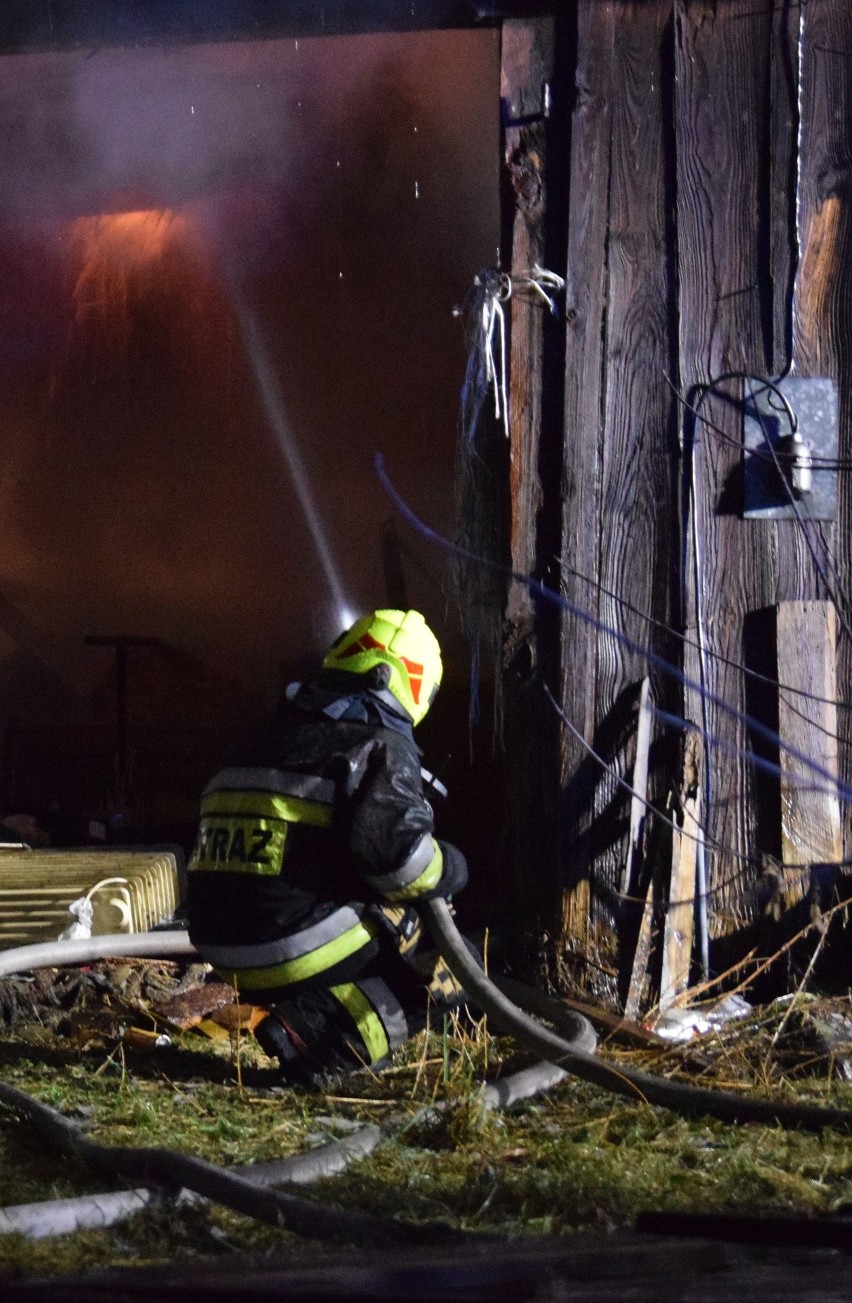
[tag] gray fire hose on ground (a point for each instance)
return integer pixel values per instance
(575, 1055)
(571, 1053)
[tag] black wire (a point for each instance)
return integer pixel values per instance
(819, 463)
(772, 457)
(537, 588)
(716, 656)
(706, 839)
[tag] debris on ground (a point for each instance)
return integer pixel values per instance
(88, 1043)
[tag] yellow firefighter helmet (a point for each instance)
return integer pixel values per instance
(403, 641)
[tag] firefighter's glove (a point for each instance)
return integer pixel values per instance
(454, 877)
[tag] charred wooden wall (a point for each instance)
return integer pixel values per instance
(698, 158)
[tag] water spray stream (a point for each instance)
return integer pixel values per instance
(273, 406)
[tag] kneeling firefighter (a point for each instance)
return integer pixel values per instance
(311, 850)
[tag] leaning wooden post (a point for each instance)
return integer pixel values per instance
(680, 915)
(639, 977)
(638, 801)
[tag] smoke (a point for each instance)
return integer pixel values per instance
(338, 190)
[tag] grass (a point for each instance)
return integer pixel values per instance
(577, 1158)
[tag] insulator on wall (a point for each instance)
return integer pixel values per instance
(796, 461)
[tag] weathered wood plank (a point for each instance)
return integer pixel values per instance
(823, 294)
(527, 54)
(638, 808)
(527, 67)
(680, 915)
(743, 566)
(635, 523)
(634, 1005)
(617, 449)
(810, 810)
(779, 175)
(585, 300)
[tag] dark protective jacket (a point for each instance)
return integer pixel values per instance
(321, 817)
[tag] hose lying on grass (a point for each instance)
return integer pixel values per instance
(573, 1057)
(97, 1211)
(37, 1221)
(206, 1181)
(175, 1171)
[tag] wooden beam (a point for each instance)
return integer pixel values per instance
(526, 77)
(807, 723)
(91, 24)
(680, 916)
(630, 878)
(617, 440)
(529, 725)
(639, 978)
(585, 311)
(638, 808)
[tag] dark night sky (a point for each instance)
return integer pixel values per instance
(344, 191)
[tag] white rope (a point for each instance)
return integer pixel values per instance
(495, 366)
(539, 281)
(497, 288)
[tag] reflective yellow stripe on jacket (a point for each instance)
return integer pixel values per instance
(419, 873)
(246, 831)
(302, 967)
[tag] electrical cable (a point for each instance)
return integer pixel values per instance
(821, 463)
(707, 767)
(771, 458)
(720, 847)
(767, 679)
(713, 655)
(843, 791)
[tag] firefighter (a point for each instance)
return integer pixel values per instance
(312, 850)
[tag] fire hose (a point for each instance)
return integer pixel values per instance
(572, 1053)
(575, 1055)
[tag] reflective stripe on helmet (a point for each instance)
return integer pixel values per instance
(403, 642)
(334, 951)
(420, 872)
(376, 1013)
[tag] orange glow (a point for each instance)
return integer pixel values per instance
(115, 252)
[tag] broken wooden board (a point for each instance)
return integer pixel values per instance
(187, 1008)
(680, 916)
(639, 978)
(638, 802)
(630, 877)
